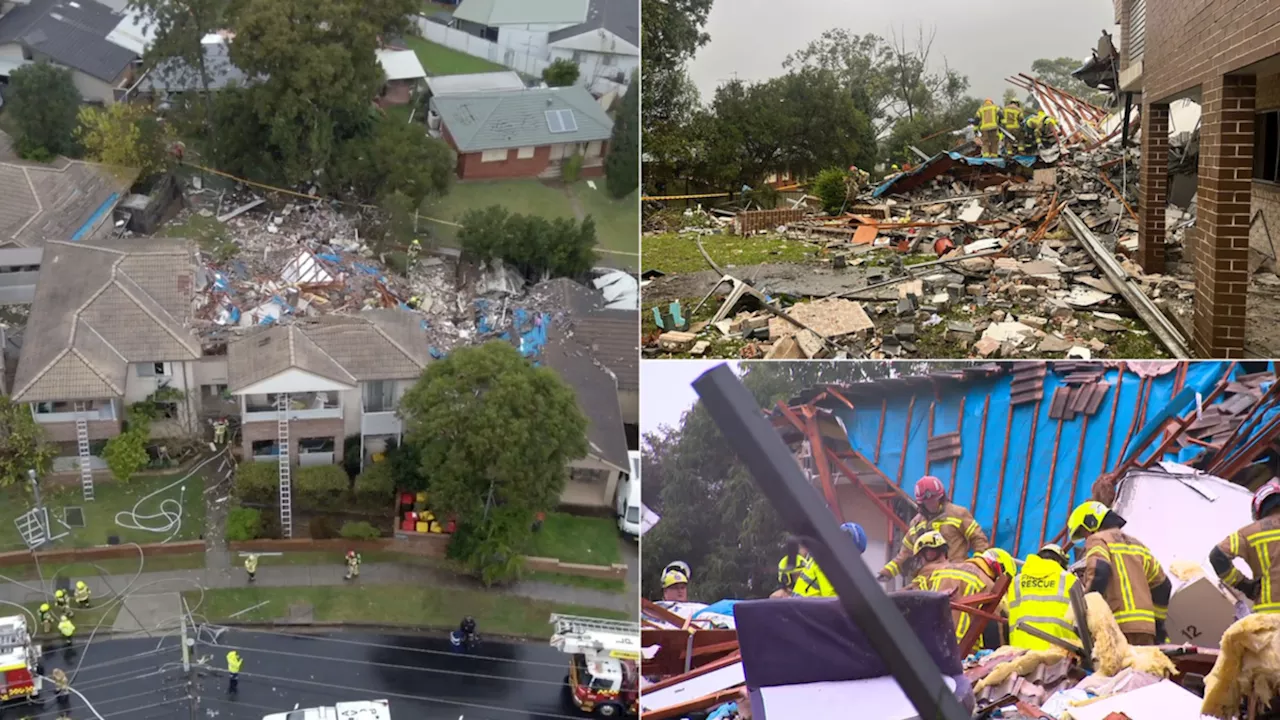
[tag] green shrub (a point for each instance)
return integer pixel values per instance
(322, 528)
(321, 487)
(126, 454)
(375, 487)
(830, 188)
(258, 483)
(360, 530)
(572, 168)
(244, 524)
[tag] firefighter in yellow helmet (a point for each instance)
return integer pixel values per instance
(988, 122)
(1258, 544)
(62, 602)
(960, 580)
(1120, 567)
(1011, 119)
(795, 559)
(931, 554)
(1040, 598)
(46, 617)
(83, 596)
(675, 586)
(67, 629)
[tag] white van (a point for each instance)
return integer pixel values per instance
(360, 710)
(628, 498)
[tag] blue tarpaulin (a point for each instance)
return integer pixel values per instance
(1044, 485)
(944, 161)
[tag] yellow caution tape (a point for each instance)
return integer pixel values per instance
(684, 197)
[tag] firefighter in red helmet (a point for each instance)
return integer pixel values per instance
(1258, 544)
(956, 524)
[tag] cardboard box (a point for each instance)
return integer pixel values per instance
(1199, 612)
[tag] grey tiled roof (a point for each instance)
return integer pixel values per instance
(176, 75)
(520, 12)
(611, 336)
(98, 308)
(518, 118)
(71, 32)
(597, 394)
(620, 17)
(371, 345)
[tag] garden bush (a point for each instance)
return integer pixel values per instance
(360, 531)
(571, 171)
(321, 487)
(322, 528)
(244, 524)
(375, 487)
(258, 483)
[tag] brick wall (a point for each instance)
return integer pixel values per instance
(470, 166)
(745, 223)
(266, 430)
(1153, 187)
(1189, 42)
(66, 432)
(72, 555)
(1221, 237)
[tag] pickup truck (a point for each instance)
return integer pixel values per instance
(359, 710)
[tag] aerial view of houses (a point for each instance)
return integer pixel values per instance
(256, 260)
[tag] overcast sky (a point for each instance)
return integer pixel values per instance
(667, 390)
(988, 40)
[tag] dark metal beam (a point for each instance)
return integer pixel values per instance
(801, 508)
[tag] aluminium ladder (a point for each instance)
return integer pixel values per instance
(282, 438)
(82, 442)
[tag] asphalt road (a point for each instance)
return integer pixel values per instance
(418, 675)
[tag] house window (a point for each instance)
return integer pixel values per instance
(1266, 146)
(494, 156)
(265, 448)
(557, 152)
(379, 396)
(167, 410)
(213, 392)
(577, 56)
(153, 369)
(524, 153)
(315, 445)
(593, 149)
(57, 406)
(606, 59)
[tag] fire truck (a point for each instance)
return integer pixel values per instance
(20, 668)
(604, 675)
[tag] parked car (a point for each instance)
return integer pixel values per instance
(627, 499)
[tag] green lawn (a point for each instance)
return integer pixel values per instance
(440, 60)
(617, 221)
(100, 515)
(122, 567)
(424, 607)
(672, 253)
(613, 586)
(576, 539)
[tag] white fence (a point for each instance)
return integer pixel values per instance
(481, 48)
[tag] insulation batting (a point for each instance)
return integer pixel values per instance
(1112, 652)
(1185, 570)
(1248, 665)
(1022, 665)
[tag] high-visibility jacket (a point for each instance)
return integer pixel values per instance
(988, 117)
(1012, 117)
(66, 628)
(251, 564)
(1258, 544)
(921, 580)
(960, 580)
(789, 571)
(234, 661)
(1040, 598)
(963, 534)
(1135, 571)
(82, 593)
(812, 582)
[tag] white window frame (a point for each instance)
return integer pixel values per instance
(491, 156)
(558, 151)
(525, 153)
(154, 369)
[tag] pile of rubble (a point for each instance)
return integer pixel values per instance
(962, 257)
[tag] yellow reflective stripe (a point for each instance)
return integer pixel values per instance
(1019, 599)
(1126, 585)
(970, 580)
(973, 527)
(1267, 608)
(1057, 621)
(1232, 577)
(1131, 615)
(1098, 550)
(891, 567)
(1265, 536)
(1264, 565)
(1161, 612)
(1234, 543)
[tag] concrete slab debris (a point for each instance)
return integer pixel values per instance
(831, 317)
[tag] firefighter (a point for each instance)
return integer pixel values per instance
(251, 566)
(63, 603)
(960, 580)
(1048, 135)
(415, 249)
(1011, 118)
(988, 122)
(930, 553)
(219, 431)
(1120, 567)
(234, 661)
(68, 630)
(1039, 597)
(794, 560)
(963, 534)
(675, 586)
(1258, 544)
(46, 617)
(353, 564)
(680, 565)
(62, 684)
(83, 596)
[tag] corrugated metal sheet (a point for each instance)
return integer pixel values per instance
(1137, 29)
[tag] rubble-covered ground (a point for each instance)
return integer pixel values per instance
(969, 262)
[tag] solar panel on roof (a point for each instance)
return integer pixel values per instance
(569, 121)
(554, 124)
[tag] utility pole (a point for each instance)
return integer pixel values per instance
(187, 645)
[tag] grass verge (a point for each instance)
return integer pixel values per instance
(673, 253)
(119, 567)
(408, 605)
(576, 539)
(589, 583)
(440, 60)
(617, 221)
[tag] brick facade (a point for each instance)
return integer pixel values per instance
(1191, 42)
(471, 166)
(1153, 187)
(252, 432)
(65, 432)
(1221, 237)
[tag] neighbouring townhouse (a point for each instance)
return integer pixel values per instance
(109, 326)
(71, 34)
(525, 133)
(519, 25)
(303, 388)
(606, 47)
(1223, 55)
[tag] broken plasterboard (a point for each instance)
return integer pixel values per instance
(830, 317)
(972, 212)
(620, 289)
(306, 269)
(1164, 700)
(1081, 296)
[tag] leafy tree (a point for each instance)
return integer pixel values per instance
(561, 73)
(376, 486)
(124, 136)
(535, 246)
(495, 434)
(1057, 72)
(126, 453)
(22, 444)
(396, 158)
(622, 167)
(671, 32)
(830, 187)
(43, 101)
(713, 516)
(177, 28)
